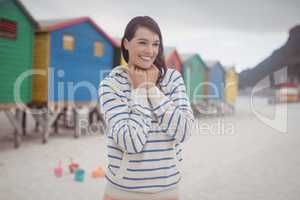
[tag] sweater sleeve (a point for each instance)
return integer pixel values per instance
(128, 123)
(173, 110)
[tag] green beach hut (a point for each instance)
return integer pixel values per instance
(17, 29)
(194, 72)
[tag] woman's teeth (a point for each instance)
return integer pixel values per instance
(146, 58)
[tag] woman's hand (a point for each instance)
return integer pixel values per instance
(152, 76)
(143, 78)
(137, 77)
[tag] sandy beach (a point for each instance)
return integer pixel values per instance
(238, 157)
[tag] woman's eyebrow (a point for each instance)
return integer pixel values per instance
(144, 39)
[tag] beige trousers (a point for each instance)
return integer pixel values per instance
(113, 193)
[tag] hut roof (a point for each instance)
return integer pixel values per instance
(168, 50)
(185, 57)
(212, 63)
(26, 13)
(118, 41)
(55, 24)
(229, 67)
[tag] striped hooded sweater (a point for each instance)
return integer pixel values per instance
(144, 134)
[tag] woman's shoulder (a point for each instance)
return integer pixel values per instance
(117, 78)
(118, 73)
(171, 77)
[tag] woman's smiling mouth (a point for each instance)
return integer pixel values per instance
(146, 58)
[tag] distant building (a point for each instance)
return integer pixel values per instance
(194, 72)
(16, 49)
(77, 53)
(216, 79)
(231, 84)
(172, 58)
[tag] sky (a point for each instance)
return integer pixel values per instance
(235, 32)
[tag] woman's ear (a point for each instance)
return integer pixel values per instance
(126, 44)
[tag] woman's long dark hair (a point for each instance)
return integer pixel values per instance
(147, 22)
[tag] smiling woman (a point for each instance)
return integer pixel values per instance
(142, 44)
(143, 48)
(148, 116)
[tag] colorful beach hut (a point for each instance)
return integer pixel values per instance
(71, 57)
(16, 40)
(172, 58)
(231, 85)
(194, 72)
(216, 79)
(17, 28)
(75, 53)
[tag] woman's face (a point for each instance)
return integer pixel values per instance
(142, 48)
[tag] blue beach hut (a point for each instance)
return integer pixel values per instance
(76, 54)
(71, 57)
(216, 79)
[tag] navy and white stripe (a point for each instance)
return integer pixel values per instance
(173, 109)
(148, 133)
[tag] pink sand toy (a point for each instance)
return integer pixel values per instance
(58, 171)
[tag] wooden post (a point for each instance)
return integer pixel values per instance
(36, 129)
(55, 125)
(17, 133)
(24, 120)
(81, 116)
(46, 119)
(76, 123)
(46, 127)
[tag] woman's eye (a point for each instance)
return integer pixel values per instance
(156, 44)
(143, 43)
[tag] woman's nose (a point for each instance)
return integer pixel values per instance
(149, 50)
